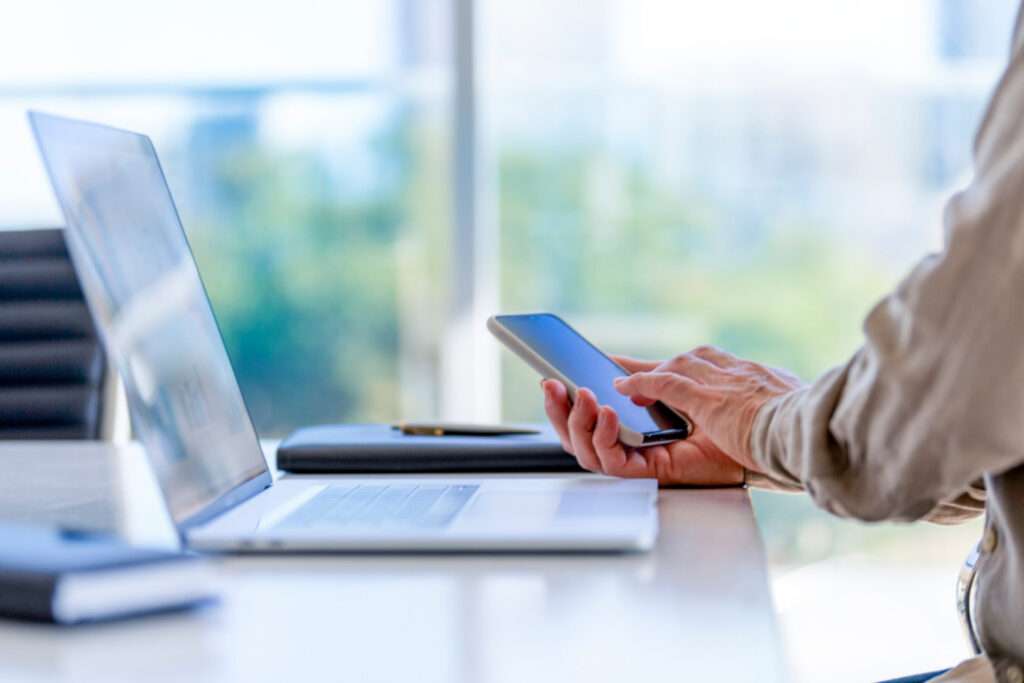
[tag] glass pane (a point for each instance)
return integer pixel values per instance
(221, 43)
(311, 176)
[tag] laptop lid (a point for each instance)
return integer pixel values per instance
(149, 303)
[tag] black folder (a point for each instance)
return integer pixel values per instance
(382, 449)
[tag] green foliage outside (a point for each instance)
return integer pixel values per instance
(657, 264)
(305, 277)
(313, 285)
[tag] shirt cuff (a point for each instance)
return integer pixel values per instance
(770, 473)
(766, 482)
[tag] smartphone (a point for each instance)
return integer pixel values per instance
(554, 349)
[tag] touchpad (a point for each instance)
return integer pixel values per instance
(590, 504)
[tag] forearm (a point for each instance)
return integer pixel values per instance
(963, 507)
(903, 429)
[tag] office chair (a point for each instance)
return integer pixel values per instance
(55, 382)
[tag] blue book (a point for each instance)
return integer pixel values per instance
(67, 577)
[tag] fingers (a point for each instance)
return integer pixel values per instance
(557, 407)
(591, 433)
(615, 459)
(607, 448)
(676, 390)
(702, 363)
(632, 365)
(582, 420)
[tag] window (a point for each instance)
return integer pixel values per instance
(752, 175)
(306, 144)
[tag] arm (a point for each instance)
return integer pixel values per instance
(964, 507)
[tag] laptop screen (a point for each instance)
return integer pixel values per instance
(149, 303)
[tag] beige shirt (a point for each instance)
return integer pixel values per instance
(926, 420)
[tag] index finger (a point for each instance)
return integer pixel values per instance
(635, 364)
(670, 388)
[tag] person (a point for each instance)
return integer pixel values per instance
(924, 421)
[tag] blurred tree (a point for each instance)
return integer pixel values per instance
(596, 239)
(318, 290)
(303, 282)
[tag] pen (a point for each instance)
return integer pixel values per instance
(459, 429)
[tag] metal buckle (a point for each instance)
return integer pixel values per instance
(965, 597)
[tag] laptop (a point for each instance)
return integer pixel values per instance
(145, 293)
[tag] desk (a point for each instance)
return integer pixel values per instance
(697, 608)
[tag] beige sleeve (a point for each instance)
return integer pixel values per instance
(964, 507)
(767, 482)
(934, 398)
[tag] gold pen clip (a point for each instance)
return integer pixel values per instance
(459, 429)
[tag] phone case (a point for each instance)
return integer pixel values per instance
(628, 436)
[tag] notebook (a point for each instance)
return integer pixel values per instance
(383, 449)
(68, 577)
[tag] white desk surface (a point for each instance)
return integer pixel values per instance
(697, 608)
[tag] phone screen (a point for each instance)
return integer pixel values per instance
(586, 367)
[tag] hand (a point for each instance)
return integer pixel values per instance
(591, 433)
(720, 393)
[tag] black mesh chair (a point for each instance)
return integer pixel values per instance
(54, 379)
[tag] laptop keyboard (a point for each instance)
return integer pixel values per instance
(381, 506)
